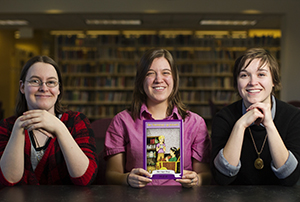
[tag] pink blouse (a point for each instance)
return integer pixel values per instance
(126, 135)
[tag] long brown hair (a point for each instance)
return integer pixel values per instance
(139, 95)
(21, 105)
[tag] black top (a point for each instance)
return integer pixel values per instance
(287, 122)
(32, 138)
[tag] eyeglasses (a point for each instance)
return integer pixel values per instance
(37, 83)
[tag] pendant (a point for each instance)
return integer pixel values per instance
(39, 155)
(259, 163)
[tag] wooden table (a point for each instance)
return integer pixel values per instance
(93, 193)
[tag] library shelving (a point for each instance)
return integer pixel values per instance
(99, 67)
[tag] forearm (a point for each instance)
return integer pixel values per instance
(76, 160)
(12, 160)
(233, 147)
(278, 149)
(116, 178)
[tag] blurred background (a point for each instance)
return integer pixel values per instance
(98, 44)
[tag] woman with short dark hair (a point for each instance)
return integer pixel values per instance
(255, 141)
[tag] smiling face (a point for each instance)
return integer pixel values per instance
(158, 83)
(255, 83)
(40, 97)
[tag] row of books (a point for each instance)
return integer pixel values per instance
(212, 68)
(130, 69)
(97, 112)
(207, 54)
(135, 55)
(195, 97)
(88, 96)
(206, 82)
(92, 67)
(82, 68)
(128, 82)
(168, 40)
(192, 97)
(99, 81)
(101, 53)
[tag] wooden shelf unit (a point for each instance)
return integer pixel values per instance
(98, 69)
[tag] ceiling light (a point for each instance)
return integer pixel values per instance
(228, 22)
(13, 22)
(151, 11)
(113, 22)
(66, 32)
(54, 11)
(251, 11)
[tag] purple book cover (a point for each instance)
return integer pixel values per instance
(163, 148)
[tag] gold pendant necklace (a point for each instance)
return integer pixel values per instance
(258, 163)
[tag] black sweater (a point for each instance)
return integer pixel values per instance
(287, 122)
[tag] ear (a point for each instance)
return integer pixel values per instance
(21, 87)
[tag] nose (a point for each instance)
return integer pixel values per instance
(253, 80)
(43, 86)
(158, 77)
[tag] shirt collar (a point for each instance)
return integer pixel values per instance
(147, 115)
(273, 110)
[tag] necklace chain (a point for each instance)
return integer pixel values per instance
(39, 154)
(35, 139)
(262, 147)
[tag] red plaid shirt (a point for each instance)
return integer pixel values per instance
(52, 168)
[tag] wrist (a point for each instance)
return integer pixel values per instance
(127, 180)
(239, 126)
(198, 180)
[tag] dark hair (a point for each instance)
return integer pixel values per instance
(21, 106)
(139, 95)
(265, 58)
(175, 151)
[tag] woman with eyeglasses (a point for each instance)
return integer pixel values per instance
(42, 143)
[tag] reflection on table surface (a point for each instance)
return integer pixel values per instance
(123, 193)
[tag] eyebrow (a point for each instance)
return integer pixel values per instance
(41, 79)
(162, 70)
(259, 70)
(263, 69)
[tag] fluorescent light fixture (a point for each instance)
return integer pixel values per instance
(113, 22)
(66, 32)
(54, 11)
(228, 22)
(151, 11)
(13, 22)
(251, 11)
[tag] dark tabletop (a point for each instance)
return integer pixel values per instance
(93, 193)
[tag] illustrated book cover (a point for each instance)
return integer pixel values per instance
(163, 148)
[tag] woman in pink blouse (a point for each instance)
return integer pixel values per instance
(155, 96)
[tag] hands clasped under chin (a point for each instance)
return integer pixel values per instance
(258, 113)
(40, 120)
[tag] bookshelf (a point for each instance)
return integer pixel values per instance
(98, 67)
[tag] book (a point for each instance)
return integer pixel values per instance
(163, 148)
